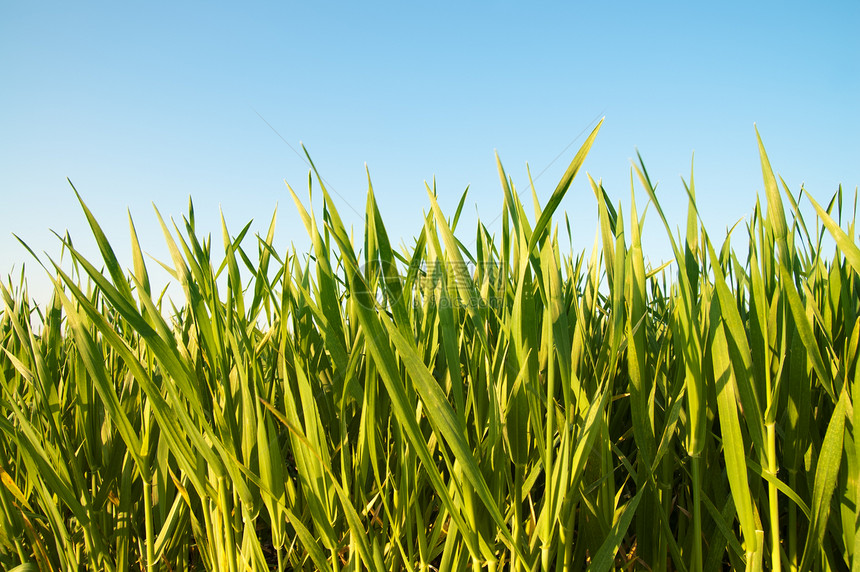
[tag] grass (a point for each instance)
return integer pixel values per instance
(509, 407)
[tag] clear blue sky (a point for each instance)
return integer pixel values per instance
(159, 101)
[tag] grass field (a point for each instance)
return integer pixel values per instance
(506, 406)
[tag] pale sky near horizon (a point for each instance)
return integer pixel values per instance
(151, 103)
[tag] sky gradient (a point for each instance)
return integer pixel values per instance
(152, 104)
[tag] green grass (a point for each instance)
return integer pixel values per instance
(508, 406)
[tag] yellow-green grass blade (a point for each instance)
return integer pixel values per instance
(605, 555)
(691, 247)
(94, 362)
(639, 387)
(464, 283)
(106, 250)
(43, 486)
(447, 424)
(328, 298)
(804, 328)
(517, 218)
(524, 339)
(357, 528)
(775, 209)
(387, 260)
(783, 487)
(161, 349)
(562, 187)
(739, 352)
(724, 522)
(847, 245)
(826, 471)
(54, 486)
(137, 256)
(686, 322)
(175, 433)
(378, 343)
(236, 299)
(261, 283)
(449, 331)
(733, 443)
(608, 222)
(561, 347)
